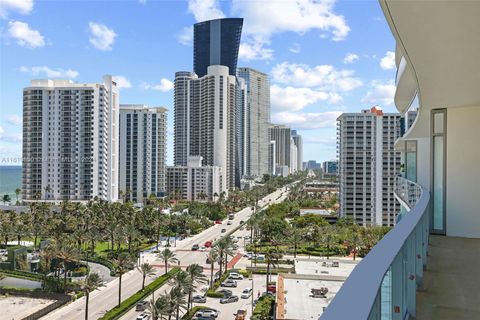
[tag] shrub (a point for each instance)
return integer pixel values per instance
(131, 301)
(264, 308)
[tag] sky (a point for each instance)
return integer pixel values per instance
(324, 57)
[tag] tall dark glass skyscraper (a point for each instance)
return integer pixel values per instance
(216, 42)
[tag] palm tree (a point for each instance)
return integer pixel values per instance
(213, 257)
(160, 307)
(195, 273)
(121, 263)
(177, 300)
(271, 256)
(91, 283)
(225, 248)
(6, 198)
(167, 256)
(146, 270)
(66, 254)
(17, 193)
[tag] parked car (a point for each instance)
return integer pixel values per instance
(207, 313)
(240, 315)
(235, 276)
(3, 252)
(195, 247)
(248, 255)
(272, 288)
(199, 299)
(229, 283)
(260, 257)
(224, 230)
(143, 316)
(246, 293)
(241, 221)
(229, 223)
(229, 299)
(202, 248)
(208, 244)
(218, 222)
(226, 293)
(141, 306)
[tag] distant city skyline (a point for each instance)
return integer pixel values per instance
(319, 67)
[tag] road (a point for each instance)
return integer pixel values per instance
(106, 297)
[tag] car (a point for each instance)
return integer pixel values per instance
(211, 313)
(202, 248)
(223, 230)
(260, 257)
(218, 222)
(240, 315)
(208, 244)
(229, 299)
(229, 283)
(248, 255)
(199, 299)
(141, 306)
(246, 293)
(229, 223)
(226, 293)
(235, 276)
(195, 247)
(3, 252)
(241, 221)
(246, 237)
(235, 240)
(272, 288)
(143, 316)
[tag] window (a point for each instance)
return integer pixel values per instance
(438, 169)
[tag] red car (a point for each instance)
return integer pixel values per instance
(218, 222)
(272, 288)
(208, 244)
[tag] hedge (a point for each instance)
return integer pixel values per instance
(189, 315)
(131, 301)
(22, 274)
(264, 308)
(212, 292)
(263, 270)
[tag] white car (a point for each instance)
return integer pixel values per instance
(246, 293)
(3, 252)
(202, 248)
(235, 276)
(207, 313)
(143, 316)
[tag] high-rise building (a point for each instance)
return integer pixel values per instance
(298, 141)
(216, 42)
(293, 156)
(143, 133)
(70, 140)
(312, 165)
(194, 181)
(257, 120)
(368, 166)
(205, 120)
(330, 167)
(281, 134)
(272, 162)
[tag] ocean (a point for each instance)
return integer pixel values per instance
(10, 179)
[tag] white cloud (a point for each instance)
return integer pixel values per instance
(295, 99)
(13, 137)
(101, 37)
(49, 72)
(165, 85)
(265, 18)
(252, 50)
(388, 62)
(325, 77)
(186, 36)
(295, 48)
(351, 58)
(14, 120)
(308, 120)
(18, 6)
(380, 93)
(122, 82)
(205, 9)
(25, 37)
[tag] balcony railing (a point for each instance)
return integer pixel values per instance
(407, 192)
(383, 285)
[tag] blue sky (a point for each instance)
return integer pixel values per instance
(323, 57)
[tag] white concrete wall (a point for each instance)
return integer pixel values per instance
(463, 172)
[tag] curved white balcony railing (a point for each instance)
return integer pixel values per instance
(407, 192)
(383, 285)
(406, 87)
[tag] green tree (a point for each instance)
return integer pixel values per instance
(17, 193)
(195, 273)
(122, 263)
(6, 198)
(91, 283)
(146, 270)
(167, 256)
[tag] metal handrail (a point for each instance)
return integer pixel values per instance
(405, 245)
(407, 192)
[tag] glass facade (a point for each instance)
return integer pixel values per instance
(216, 42)
(438, 174)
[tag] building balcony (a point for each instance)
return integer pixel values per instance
(406, 87)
